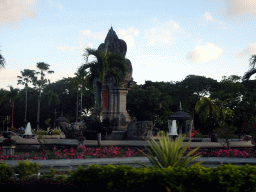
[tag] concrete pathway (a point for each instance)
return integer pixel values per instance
(133, 143)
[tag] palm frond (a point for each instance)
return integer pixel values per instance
(253, 61)
(248, 74)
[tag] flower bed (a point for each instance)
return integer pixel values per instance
(226, 152)
(79, 153)
(113, 152)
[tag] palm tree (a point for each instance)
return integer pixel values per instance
(2, 61)
(252, 71)
(13, 94)
(207, 109)
(43, 68)
(26, 77)
(106, 64)
(80, 81)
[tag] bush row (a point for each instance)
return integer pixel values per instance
(194, 178)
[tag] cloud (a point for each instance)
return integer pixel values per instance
(55, 4)
(250, 50)
(208, 16)
(147, 64)
(66, 48)
(121, 33)
(164, 33)
(58, 76)
(88, 34)
(128, 36)
(15, 11)
(9, 77)
(205, 53)
(241, 7)
(130, 41)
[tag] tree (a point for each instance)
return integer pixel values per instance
(2, 61)
(26, 77)
(207, 110)
(252, 71)
(43, 68)
(198, 85)
(107, 64)
(12, 95)
(81, 81)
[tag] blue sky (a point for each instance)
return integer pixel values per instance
(167, 39)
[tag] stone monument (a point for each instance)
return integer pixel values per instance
(139, 130)
(110, 99)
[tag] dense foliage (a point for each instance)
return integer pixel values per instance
(234, 101)
(194, 178)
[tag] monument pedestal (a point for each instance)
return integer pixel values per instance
(117, 135)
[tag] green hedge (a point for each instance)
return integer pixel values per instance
(42, 132)
(184, 179)
(195, 178)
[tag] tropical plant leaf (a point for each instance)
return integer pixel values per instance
(169, 152)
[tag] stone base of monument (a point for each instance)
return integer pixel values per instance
(116, 135)
(139, 130)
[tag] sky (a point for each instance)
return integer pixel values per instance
(167, 40)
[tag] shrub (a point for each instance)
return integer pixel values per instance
(24, 169)
(187, 179)
(5, 171)
(169, 153)
(12, 129)
(56, 132)
(227, 132)
(41, 132)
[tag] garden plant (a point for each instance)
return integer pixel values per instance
(169, 152)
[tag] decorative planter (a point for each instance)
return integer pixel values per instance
(53, 136)
(9, 150)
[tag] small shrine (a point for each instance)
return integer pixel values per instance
(181, 122)
(110, 99)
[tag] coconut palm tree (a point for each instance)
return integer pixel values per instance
(252, 71)
(107, 64)
(207, 109)
(81, 82)
(12, 95)
(43, 69)
(26, 77)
